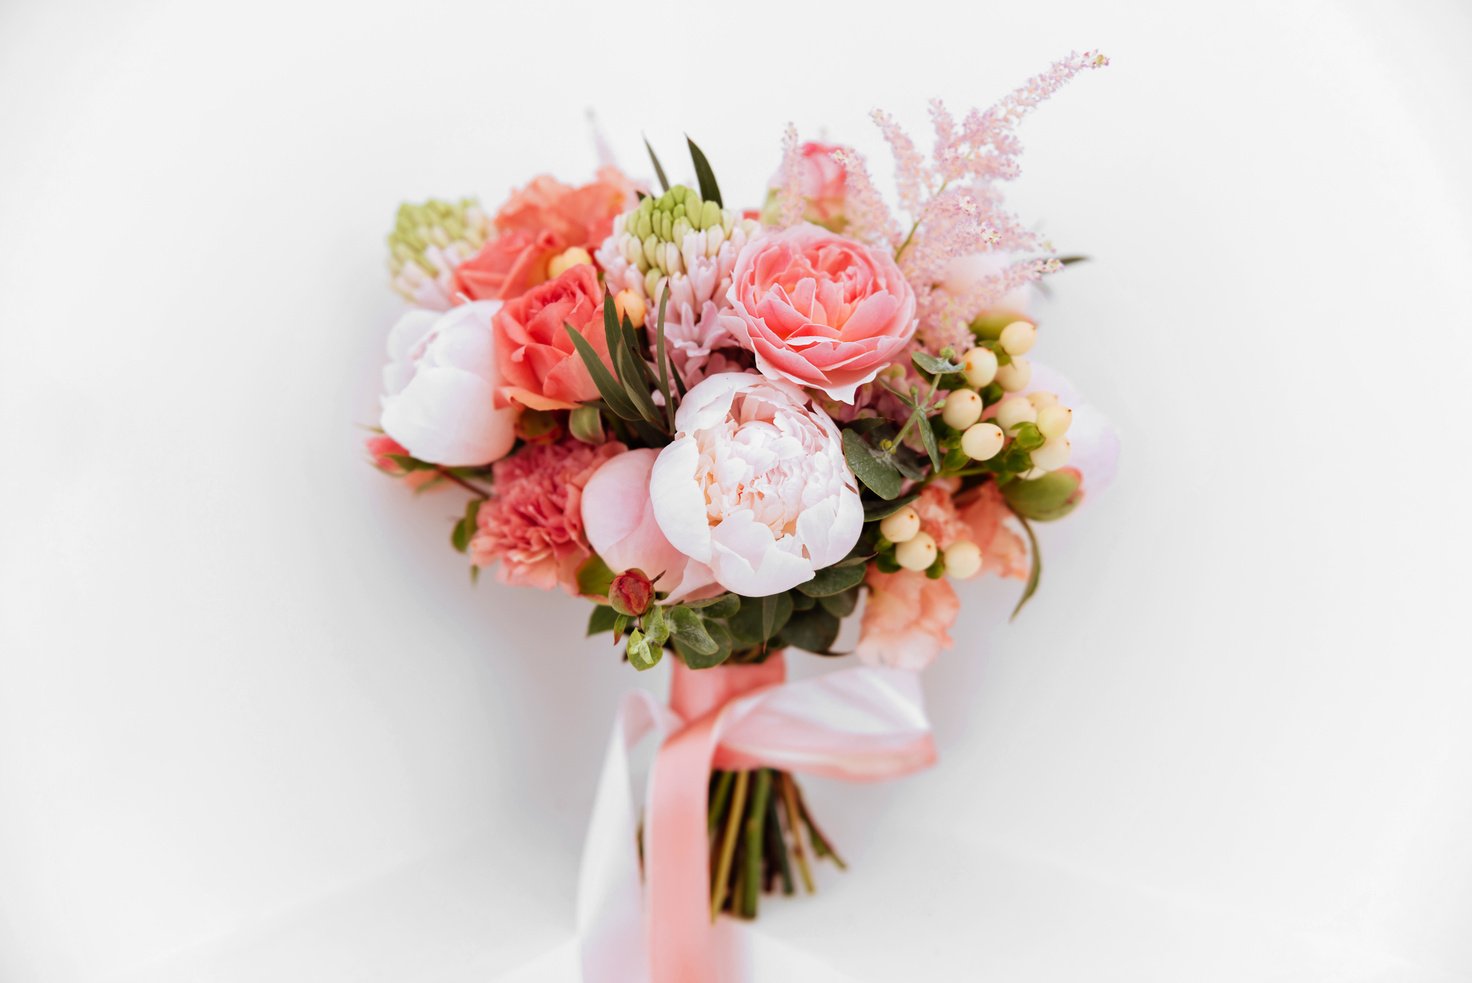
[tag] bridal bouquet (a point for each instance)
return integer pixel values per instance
(730, 429)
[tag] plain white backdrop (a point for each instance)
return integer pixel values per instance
(256, 724)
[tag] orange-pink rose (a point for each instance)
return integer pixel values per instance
(907, 619)
(540, 368)
(538, 222)
(819, 310)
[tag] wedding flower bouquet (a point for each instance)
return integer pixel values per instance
(730, 430)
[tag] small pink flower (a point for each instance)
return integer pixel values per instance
(1003, 552)
(907, 619)
(819, 310)
(820, 180)
(383, 449)
(532, 525)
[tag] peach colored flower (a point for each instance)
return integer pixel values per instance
(538, 222)
(938, 513)
(1003, 551)
(532, 525)
(540, 368)
(819, 310)
(907, 619)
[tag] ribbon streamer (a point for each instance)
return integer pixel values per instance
(860, 724)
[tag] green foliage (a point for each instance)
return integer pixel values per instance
(834, 580)
(602, 619)
(934, 364)
(664, 182)
(594, 577)
(814, 631)
(709, 190)
(874, 468)
(1028, 436)
(460, 536)
(1044, 499)
(760, 618)
(586, 424)
(927, 437)
(840, 605)
(643, 654)
(874, 511)
(1034, 574)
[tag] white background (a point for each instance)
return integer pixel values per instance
(255, 723)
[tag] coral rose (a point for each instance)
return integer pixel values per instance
(907, 619)
(819, 310)
(532, 525)
(536, 223)
(540, 368)
(439, 387)
(755, 486)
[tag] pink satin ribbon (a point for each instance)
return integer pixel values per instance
(860, 724)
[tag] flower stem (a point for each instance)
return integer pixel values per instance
(794, 826)
(475, 490)
(756, 818)
(728, 844)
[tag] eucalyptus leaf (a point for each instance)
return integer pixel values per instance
(688, 629)
(934, 364)
(870, 467)
(874, 511)
(748, 624)
(834, 580)
(642, 653)
(812, 631)
(840, 605)
(927, 437)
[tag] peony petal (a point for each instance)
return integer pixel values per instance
(679, 504)
(446, 416)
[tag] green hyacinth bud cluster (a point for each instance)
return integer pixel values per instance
(430, 239)
(657, 233)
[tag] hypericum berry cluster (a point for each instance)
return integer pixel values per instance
(915, 549)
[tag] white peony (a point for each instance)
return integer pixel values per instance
(439, 384)
(755, 486)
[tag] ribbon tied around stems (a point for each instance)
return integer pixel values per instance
(861, 724)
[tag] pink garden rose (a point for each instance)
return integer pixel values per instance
(538, 222)
(822, 183)
(819, 310)
(540, 367)
(754, 485)
(618, 516)
(907, 619)
(439, 387)
(532, 525)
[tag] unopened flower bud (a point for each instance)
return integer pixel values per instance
(566, 260)
(979, 366)
(631, 593)
(1052, 455)
(901, 526)
(1041, 399)
(917, 553)
(1015, 375)
(1013, 411)
(963, 559)
(982, 441)
(1054, 420)
(963, 408)
(630, 305)
(1018, 337)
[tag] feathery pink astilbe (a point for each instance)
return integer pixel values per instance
(954, 210)
(869, 218)
(789, 187)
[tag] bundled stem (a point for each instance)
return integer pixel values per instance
(760, 830)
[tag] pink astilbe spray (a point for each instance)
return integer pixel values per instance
(953, 207)
(789, 188)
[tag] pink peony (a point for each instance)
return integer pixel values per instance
(907, 619)
(819, 310)
(539, 365)
(538, 222)
(533, 522)
(1003, 551)
(618, 515)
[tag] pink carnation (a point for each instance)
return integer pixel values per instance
(533, 522)
(938, 514)
(1003, 552)
(819, 310)
(907, 619)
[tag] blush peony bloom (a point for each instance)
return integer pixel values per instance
(820, 310)
(439, 387)
(907, 619)
(755, 486)
(532, 525)
(618, 515)
(538, 222)
(1003, 552)
(540, 367)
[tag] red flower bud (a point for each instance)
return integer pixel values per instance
(631, 593)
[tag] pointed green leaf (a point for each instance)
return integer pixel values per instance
(1034, 574)
(665, 366)
(602, 619)
(874, 511)
(608, 387)
(703, 174)
(594, 577)
(927, 437)
(664, 182)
